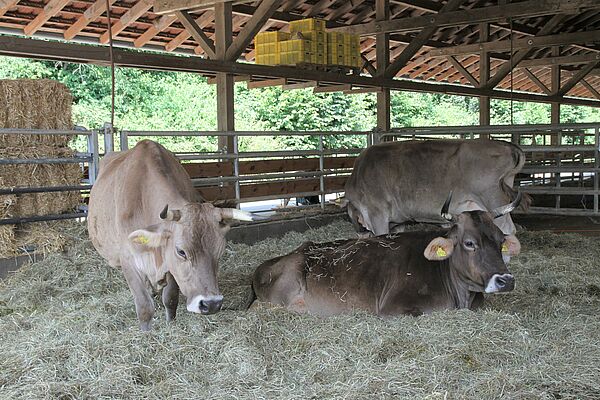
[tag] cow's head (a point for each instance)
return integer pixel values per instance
(477, 249)
(188, 243)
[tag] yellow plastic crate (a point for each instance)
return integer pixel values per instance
(268, 59)
(271, 37)
(335, 59)
(351, 40)
(301, 45)
(318, 47)
(267, 48)
(315, 36)
(352, 61)
(335, 37)
(295, 57)
(336, 52)
(309, 24)
(318, 58)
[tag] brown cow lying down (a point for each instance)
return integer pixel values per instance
(407, 273)
(146, 217)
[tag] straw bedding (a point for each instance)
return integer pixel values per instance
(34, 104)
(68, 330)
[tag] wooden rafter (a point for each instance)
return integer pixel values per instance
(127, 19)
(536, 81)
(575, 79)
(6, 5)
(201, 21)
(521, 54)
(463, 71)
(158, 26)
(50, 10)
(415, 45)
(591, 89)
(92, 13)
(561, 60)
(197, 33)
(526, 9)
(252, 27)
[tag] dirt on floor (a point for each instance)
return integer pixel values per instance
(68, 330)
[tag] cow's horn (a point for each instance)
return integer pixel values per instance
(446, 207)
(170, 215)
(234, 213)
(503, 210)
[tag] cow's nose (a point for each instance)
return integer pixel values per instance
(210, 306)
(505, 283)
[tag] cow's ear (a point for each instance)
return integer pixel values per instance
(439, 248)
(145, 239)
(511, 246)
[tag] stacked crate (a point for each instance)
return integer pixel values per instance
(267, 47)
(307, 43)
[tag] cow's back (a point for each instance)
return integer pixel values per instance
(410, 180)
(132, 188)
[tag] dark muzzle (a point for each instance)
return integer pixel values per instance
(500, 283)
(210, 306)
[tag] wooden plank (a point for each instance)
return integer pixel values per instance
(158, 26)
(535, 80)
(237, 78)
(563, 60)
(215, 169)
(92, 13)
(202, 21)
(574, 80)
(463, 71)
(252, 27)
(190, 25)
(591, 89)
(50, 10)
(266, 83)
(6, 5)
(419, 41)
(525, 9)
(332, 88)
(520, 44)
(169, 6)
(139, 9)
(300, 85)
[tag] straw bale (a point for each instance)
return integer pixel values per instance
(7, 241)
(68, 329)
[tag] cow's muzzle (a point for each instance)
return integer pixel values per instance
(500, 283)
(205, 305)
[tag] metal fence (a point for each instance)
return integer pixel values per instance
(562, 169)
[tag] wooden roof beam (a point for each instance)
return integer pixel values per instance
(92, 13)
(519, 44)
(463, 71)
(197, 33)
(139, 9)
(590, 88)
(525, 9)
(561, 60)
(575, 79)
(50, 10)
(537, 82)
(6, 5)
(158, 26)
(201, 21)
(419, 41)
(252, 27)
(520, 55)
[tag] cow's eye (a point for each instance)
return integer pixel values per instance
(181, 253)
(469, 244)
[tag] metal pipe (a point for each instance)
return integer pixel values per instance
(21, 190)
(52, 132)
(109, 141)
(321, 170)
(18, 161)
(236, 169)
(38, 218)
(245, 133)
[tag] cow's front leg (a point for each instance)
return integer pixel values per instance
(144, 305)
(170, 297)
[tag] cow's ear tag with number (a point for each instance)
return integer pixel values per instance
(440, 252)
(440, 248)
(504, 248)
(141, 239)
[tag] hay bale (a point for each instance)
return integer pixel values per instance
(68, 329)
(35, 104)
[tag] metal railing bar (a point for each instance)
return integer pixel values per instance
(244, 133)
(39, 218)
(49, 189)
(10, 161)
(50, 132)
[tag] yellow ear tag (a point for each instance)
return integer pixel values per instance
(504, 248)
(441, 252)
(142, 240)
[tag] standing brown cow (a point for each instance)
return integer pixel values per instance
(146, 217)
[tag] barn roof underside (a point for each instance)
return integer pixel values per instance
(546, 33)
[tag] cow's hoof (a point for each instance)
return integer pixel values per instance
(171, 314)
(146, 326)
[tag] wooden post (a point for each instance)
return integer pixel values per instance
(225, 94)
(555, 137)
(382, 46)
(484, 75)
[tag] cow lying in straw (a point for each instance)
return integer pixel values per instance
(146, 217)
(407, 273)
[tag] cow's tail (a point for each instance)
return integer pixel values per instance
(519, 161)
